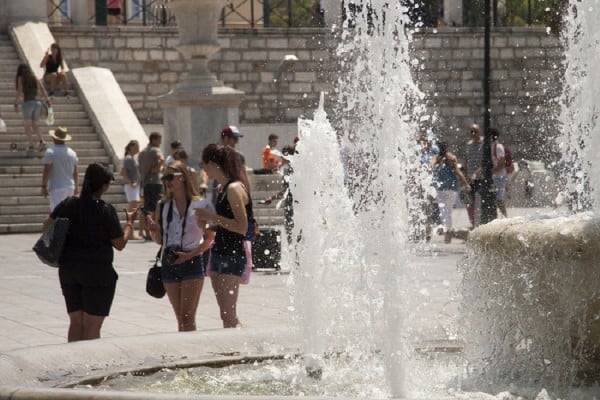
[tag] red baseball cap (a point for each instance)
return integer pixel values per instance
(231, 131)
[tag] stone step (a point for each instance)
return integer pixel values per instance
(25, 161)
(36, 169)
(73, 129)
(12, 136)
(66, 107)
(36, 199)
(94, 153)
(34, 180)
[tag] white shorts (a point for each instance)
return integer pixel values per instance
(132, 193)
(58, 195)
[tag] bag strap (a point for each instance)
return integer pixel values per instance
(170, 218)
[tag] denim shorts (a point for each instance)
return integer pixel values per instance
(228, 265)
(31, 110)
(191, 269)
(500, 183)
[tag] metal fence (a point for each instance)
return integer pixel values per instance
(138, 12)
(307, 13)
(242, 13)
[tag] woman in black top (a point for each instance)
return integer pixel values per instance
(87, 277)
(54, 69)
(233, 208)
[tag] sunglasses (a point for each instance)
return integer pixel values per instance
(168, 177)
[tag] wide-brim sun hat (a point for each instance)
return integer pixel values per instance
(60, 133)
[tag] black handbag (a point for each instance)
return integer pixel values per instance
(154, 284)
(49, 246)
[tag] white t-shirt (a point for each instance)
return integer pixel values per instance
(497, 153)
(194, 234)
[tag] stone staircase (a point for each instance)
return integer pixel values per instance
(22, 208)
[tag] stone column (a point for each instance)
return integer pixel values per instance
(23, 10)
(80, 13)
(198, 108)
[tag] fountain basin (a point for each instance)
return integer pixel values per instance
(531, 298)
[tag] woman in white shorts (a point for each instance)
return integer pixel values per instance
(131, 175)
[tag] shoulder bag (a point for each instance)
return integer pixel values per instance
(50, 245)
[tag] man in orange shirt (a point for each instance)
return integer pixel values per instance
(271, 157)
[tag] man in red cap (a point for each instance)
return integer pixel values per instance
(230, 136)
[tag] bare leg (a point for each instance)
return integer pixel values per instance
(131, 206)
(91, 326)
(75, 326)
(28, 128)
(226, 289)
(502, 207)
(188, 304)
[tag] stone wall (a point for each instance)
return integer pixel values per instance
(526, 77)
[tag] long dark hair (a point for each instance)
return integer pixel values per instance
(96, 176)
(26, 75)
(228, 160)
(59, 58)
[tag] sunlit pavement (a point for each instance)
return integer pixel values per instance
(32, 310)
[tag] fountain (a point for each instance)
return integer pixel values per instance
(525, 324)
(531, 298)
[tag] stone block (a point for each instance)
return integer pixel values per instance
(172, 55)
(134, 43)
(85, 42)
(238, 43)
(254, 55)
(125, 55)
(507, 54)
(140, 55)
(89, 55)
(257, 43)
(232, 56)
(299, 87)
(305, 76)
(153, 42)
(273, 43)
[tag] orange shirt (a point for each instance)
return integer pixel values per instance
(270, 160)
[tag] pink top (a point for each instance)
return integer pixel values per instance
(113, 4)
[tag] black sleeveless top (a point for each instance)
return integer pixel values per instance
(227, 242)
(51, 66)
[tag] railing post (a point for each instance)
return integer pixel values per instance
(252, 13)
(144, 17)
(101, 13)
(266, 14)
(289, 13)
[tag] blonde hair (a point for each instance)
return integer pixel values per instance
(191, 190)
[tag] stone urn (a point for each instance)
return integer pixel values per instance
(531, 300)
(197, 22)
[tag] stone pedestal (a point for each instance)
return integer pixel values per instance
(196, 119)
(200, 106)
(530, 295)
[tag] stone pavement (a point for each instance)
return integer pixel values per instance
(32, 310)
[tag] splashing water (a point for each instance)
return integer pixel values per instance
(580, 141)
(349, 286)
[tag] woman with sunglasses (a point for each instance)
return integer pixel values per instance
(183, 239)
(233, 207)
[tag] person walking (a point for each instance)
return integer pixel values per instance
(114, 8)
(499, 173)
(59, 177)
(130, 172)
(150, 162)
(184, 240)
(233, 211)
(28, 87)
(474, 154)
(54, 70)
(447, 179)
(87, 277)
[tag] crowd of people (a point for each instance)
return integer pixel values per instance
(199, 237)
(452, 180)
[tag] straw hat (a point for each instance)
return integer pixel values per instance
(60, 133)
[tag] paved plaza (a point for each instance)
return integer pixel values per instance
(32, 310)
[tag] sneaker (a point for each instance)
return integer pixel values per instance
(13, 147)
(42, 146)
